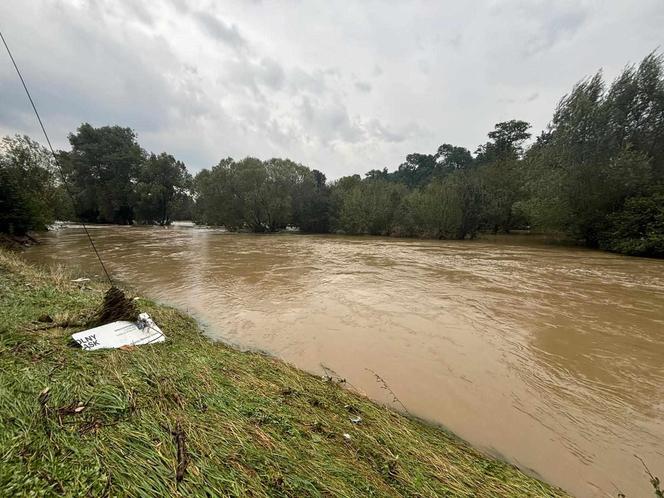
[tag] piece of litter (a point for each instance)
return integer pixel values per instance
(80, 280)
(355, 420)
(122, 333)
(346, 436)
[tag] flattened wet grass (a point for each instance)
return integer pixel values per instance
(190, 417)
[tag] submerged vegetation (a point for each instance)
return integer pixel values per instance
(595, 175)
(189, 417)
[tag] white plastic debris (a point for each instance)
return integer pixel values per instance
(356, 420)
(117, 334)
(346, 436)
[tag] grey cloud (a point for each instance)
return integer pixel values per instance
(141, 13)
(181, 6)
(329, 121)
(312, 82)
(363, 86)
(382, 132)
(454, 41)
(555, 28)
(272, 74)
(219, 30)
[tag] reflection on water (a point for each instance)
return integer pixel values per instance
(548, 356)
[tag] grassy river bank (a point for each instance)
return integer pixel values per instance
(230, 423)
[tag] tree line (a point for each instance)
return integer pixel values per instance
(595, 175)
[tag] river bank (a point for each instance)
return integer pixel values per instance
(110, 421)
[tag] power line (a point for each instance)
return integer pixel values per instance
(55, 158)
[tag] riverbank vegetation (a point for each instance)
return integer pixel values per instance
(189, 417)
(594, 176)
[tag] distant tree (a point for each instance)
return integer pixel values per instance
(369, 206)
(214, 195)
(502, 183)
(638, 228)
(506, 142)
(339, 191)
(311, 203)
(417, 171)
(101, 167)
(262, 196)
(162, 183)
(452, 158)
(29, 192)
(377, 173)
(447, 208)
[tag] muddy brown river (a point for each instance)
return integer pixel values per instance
(550, 357)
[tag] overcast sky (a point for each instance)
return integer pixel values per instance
(340, 86)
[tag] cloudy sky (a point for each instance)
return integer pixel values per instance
(337, 85)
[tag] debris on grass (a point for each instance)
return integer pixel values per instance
(181, 452)
(116, 306)
(120, 334)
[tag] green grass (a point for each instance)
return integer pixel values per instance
(252, 425)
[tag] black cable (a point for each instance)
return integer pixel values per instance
(55, 158)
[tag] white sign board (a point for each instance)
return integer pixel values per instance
(118, 334)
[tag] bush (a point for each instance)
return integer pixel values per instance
(637, 229)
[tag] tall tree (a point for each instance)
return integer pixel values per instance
(162, 183)
(102, 166)
(506, 142)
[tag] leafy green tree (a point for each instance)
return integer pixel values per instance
(638, 228)
(601, 149)
(370, 207)
(506, 142)
(262, 196)
(311, 201)
(451, 158)
(418, 170)
(101, 168)
(29, 192)
(447, 208)
(162, 182)
(213, 193)
(339, 191)
(502, 184)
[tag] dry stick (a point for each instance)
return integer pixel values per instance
(384, 385)
(43, 399)
(331, 374)
(182, 452)
(107, 488)
(653, 480)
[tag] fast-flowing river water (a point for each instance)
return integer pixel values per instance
(550, 357)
